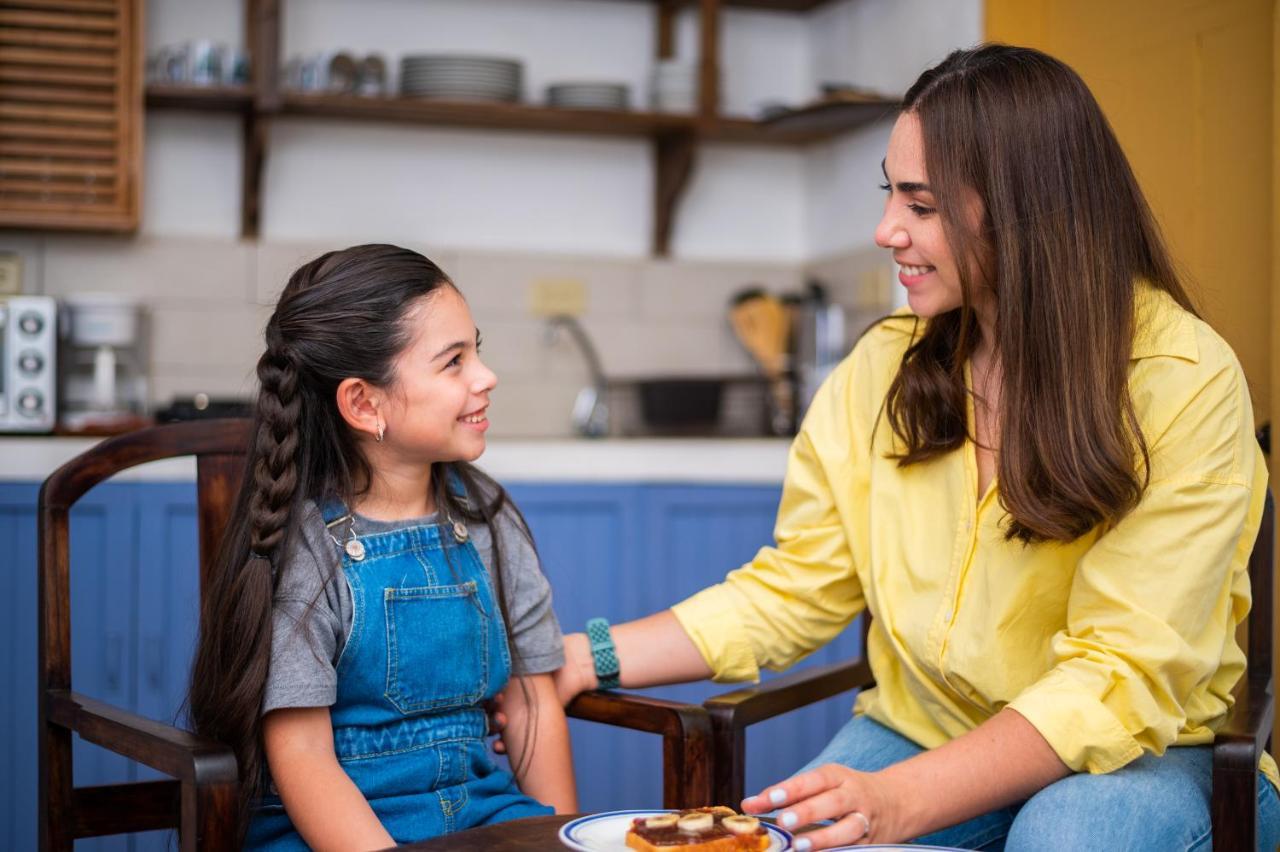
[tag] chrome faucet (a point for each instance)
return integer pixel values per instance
(591, 407)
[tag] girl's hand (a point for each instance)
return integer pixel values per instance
(578, 674)
(856, 801)
(497, 722)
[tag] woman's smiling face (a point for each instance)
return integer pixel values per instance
(912, 228)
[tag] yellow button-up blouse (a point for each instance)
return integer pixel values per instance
(1120, 642)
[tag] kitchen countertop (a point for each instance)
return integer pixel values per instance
(691, 460)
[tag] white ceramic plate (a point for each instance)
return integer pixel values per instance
(606, 832)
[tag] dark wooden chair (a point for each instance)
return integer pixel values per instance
(1237, 748)
(201, 799)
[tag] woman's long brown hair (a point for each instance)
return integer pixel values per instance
(1065, 238)
(340, 315)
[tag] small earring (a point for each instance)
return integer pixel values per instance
(381, 430)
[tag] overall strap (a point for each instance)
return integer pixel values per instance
(333, 510)
(454, 480)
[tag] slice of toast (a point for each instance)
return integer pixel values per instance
(665, 836)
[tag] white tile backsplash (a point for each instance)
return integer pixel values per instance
(157, 270)
(498, 284)
(209, 300)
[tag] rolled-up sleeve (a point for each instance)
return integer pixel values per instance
(798, 594)
(1155, 600)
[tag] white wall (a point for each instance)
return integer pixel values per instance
(881, 45)
(342, 181)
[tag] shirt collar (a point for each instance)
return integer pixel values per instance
(1162, 326)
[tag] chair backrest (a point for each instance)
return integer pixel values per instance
(1262, 560)
(219, 446)
(67, 813)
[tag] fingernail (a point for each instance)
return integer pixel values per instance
(788, 819)
(777, 795)
(802, 844)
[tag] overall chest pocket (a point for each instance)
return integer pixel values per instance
(437, 647)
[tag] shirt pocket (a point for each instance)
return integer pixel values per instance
(437, 647)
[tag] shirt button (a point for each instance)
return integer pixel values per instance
(950, 614)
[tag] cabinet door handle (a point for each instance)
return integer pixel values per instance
(154, 653)
(113, 650)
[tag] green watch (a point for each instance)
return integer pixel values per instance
(603, 654)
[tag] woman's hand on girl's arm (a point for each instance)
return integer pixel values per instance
(537, 742)
(1002, 761)
(326, 807)
(652, 651)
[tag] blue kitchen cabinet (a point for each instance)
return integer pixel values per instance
(617, 550)
(102, 659)
(18, 667)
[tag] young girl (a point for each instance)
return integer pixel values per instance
(375, 589)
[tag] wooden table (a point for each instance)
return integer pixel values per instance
(521, 835)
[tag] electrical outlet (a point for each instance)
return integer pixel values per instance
(10, 273)
(551, 296)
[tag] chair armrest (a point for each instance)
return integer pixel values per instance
(810, 685)
(1250, 720)
(640, 713)
(686, 738)
(1237, 747)
(732, 712)
(179, 754)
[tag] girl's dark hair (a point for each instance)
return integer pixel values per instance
(1066, 235)
(340, 315)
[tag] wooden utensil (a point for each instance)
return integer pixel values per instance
(763, 326)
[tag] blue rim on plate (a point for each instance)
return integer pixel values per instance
(571, 832)
(894, 847)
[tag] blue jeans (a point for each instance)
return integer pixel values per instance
(1155, 803)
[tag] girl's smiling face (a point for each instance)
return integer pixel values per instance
(436, 410)
(912, 227)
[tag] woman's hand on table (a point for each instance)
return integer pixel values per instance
(856, 801)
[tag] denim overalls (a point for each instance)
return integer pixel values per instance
(427, 647)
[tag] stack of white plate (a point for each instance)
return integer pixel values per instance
(588, 95)
(458, 77)
(675, 86)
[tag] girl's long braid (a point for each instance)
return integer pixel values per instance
(241, 605)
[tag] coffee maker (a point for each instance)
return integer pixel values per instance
(103, 361)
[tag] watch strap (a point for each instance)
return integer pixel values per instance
(604, 654)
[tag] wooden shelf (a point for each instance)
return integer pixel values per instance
(494, 116)
(799, 127)
(213, 98)
(827, 118)
(774, 5)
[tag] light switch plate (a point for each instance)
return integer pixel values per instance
(551, 296)
(10, 274)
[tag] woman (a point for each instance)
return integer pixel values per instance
(1043, 484)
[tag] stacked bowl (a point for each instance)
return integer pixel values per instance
(460, 77)
(675, 86)
(588, 96)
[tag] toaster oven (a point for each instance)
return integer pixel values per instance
(28, 363)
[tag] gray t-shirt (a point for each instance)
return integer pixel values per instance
(305, 651)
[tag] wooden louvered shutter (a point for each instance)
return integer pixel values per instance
(70, 114)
